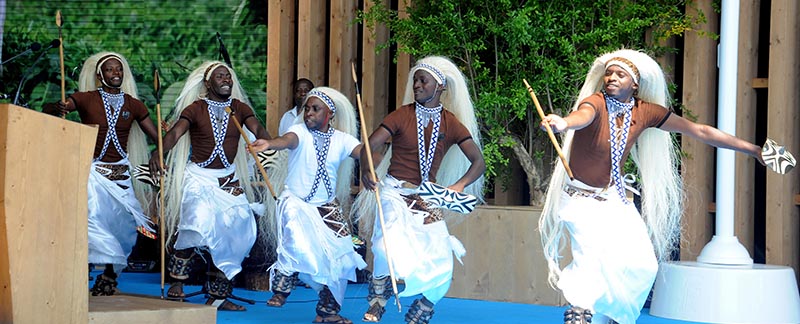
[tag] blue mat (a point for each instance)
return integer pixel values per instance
(300, 306)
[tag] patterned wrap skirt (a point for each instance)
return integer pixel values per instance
(315, 242)
(420, 246)
(215, 215)
(114, 214)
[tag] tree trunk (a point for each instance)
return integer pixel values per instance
(532, 173)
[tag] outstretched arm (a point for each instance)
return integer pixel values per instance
(476, 168)
(288, 140)
(711, 136)
(576, 120)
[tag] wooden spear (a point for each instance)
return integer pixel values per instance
(365, 140)
(161, 234)
(61, 59)
(253, 153)
(549, 131)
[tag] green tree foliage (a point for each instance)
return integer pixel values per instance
(175, 35)
(550, 43)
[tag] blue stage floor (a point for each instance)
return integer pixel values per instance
(300, 306)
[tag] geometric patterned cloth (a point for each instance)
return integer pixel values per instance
(777, 158)
(619, 138)
(438, 196)
(321, 144)
(424, 116)
(219, 123)
(112, 103)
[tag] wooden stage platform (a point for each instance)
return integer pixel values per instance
(129, 309)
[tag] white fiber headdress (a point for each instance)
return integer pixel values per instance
(655, 154)
(138, 152)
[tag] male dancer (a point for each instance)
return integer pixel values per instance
(421, 133)
(108, 98)
(313, 232)
(622, 103)
(208, 188)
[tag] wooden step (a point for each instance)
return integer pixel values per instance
(127, 309)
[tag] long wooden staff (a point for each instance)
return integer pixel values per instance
(549, 131)
(157, 89)
(61, 59)
(253, 153)
(365, 140)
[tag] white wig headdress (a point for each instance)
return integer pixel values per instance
(138, 152)
(456, 99)
(655, 154)
(194, 89)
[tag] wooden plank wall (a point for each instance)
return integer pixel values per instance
(782, 213)
(504, 260)
(699, 96)
(746, 122)
(281, 60)
(319, 41)
(783, 217)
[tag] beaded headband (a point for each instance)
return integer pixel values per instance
(210, 68)
(626, 65)
(104, 59)
(322, 96)
(436, 73)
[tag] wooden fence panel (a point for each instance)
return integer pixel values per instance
(783, 218)
(343, 48)
(699, 96)
(375, 67)
(281, 60)
(746, 124)
(311, 41)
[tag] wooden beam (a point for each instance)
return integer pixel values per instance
(403, 61)
(746, 110)
(375, 67)
(759, 83)
(280, 60)
(343, 48)
(783, 217)
(311, 39)
(699, 95)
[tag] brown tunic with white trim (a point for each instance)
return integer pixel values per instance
(92, 112)
(590, 158)
(201, 131)
(402, 125)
